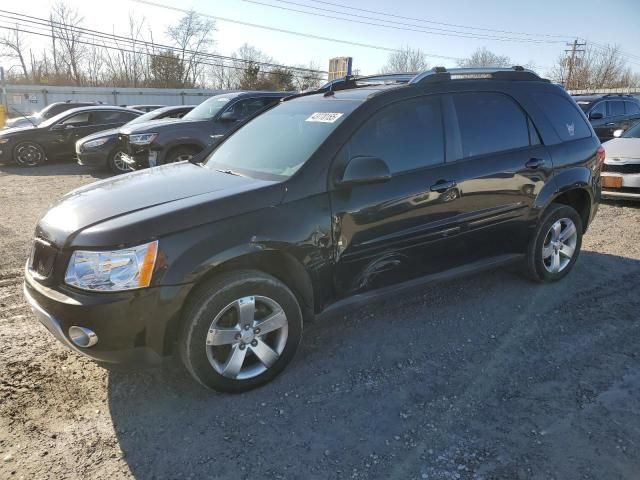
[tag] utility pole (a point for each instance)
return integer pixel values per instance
(572, 59)
(53, 39)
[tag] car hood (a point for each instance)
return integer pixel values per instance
(6, 132)
(622, 148)
(22, 121)
(149, 203)
(101, 134)
(154, 125)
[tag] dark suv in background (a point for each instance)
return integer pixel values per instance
(327, 198)
(148, 145)
(608, 113)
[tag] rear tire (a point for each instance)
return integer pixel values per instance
(555, 246)
(116, 164)
(215, 344)
(180, 154)
(29, 154)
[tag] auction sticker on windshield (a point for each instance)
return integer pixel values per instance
(324, 117)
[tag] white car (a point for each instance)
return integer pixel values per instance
(621, 172)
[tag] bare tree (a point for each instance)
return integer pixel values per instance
(483, 57)
(602, 67)
(406, 60)
(193, 37)
(72, 50)
(309, 78)
(13, 46)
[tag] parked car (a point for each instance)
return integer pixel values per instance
(608, 113)
(102, 149)
(174, 141)
(325, 199)
(47, 112)
(621, 171)
(57, 136)
(145, 108)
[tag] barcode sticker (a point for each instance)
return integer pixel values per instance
(324, 117)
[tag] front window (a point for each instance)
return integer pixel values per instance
(277, 143)
(208, 109)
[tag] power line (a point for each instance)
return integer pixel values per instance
(41, 22)
(432, 21)
(282, 30)
(405, 26)
(120, 48)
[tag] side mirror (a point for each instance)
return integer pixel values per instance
(595, 116)
(618, 133)
(229, 116)
(365, 170)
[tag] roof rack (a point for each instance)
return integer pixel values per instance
(441, 74)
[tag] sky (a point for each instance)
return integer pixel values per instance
(556, 21)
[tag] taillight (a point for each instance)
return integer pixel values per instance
(600, 157)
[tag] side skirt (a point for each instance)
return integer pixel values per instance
(380, 293)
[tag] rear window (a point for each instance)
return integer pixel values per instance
(490, 122)
(563, 115)
(616, 108)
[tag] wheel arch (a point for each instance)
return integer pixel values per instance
(281, 265)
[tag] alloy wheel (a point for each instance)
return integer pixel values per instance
(559, 245)
(247, 337)
(29, 154)
(120, 164)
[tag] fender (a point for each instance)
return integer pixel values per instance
(572, 178)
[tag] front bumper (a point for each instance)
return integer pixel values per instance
(130, 326)
(91, 158)
(630, 186)
(142, 159)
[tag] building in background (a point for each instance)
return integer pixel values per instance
(340, 67)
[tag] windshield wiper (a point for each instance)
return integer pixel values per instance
(229, 172)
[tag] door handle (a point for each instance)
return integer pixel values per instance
(442, 186)
(534, 163)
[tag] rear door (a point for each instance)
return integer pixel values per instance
(632, 114)
(616, 119)
(389, 232)
(502, 166)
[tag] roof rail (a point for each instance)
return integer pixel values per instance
(441, 74)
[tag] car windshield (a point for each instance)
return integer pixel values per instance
(277, 143)
(152, 115)
(633, 132)
(584, 105)
(208, 109)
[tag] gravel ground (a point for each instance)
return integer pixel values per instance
(486, 377)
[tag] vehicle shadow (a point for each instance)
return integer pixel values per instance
(54, 168)
(465, 364)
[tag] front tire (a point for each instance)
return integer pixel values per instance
(554, 248)
(180, 154)
(239, 331)
(116, 164)
(29, 154)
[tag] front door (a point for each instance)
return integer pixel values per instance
(388, 232)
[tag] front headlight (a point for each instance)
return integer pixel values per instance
(111, 271)
(95, 143)
(3, 141)
(142, 139)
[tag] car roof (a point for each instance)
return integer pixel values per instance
(101, 107)
(362, 88)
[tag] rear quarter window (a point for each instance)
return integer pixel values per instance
(564, 116)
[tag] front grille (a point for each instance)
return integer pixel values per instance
(622, 168)
(43, 256)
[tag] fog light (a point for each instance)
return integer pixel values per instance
(83, 337)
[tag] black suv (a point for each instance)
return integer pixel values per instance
(325, 199)
(158, 143)
(608, 113)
